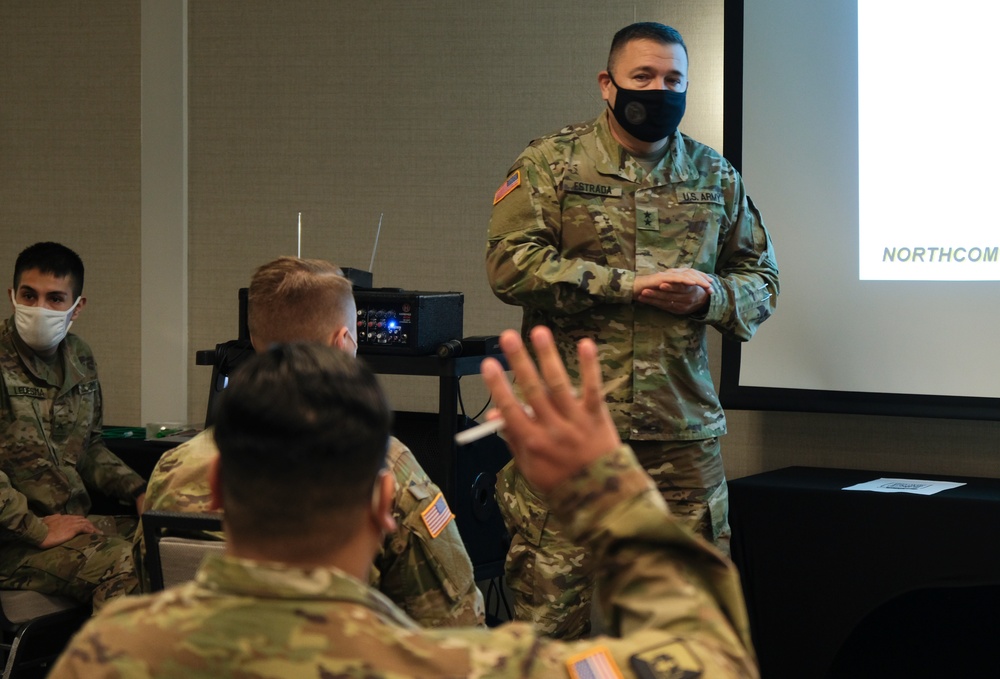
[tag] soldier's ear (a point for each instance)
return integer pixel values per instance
(79, 307)
(383, 498)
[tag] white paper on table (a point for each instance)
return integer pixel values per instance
(916, 486)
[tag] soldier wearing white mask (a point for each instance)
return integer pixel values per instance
(51, 451)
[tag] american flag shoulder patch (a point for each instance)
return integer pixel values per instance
(596, 663)
(437, 515)
(512, 183)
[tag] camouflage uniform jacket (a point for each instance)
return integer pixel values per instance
(579, 218)
(51, 449)
(431, 578)
(674, 604)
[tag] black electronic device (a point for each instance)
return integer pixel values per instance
(477, 345)
(405, 322)
(359, 277)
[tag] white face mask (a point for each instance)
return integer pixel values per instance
(42, 329)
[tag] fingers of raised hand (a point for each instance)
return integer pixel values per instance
(591, 381)
(524, 372)
(559, 388)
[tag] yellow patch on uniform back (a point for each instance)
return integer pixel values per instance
(512, 183)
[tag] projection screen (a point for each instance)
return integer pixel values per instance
(867, 139)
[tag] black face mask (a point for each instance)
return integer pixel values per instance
(648, 115)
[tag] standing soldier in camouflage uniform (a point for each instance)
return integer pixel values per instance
(302, 433)
(423, 568)
(51, 452)
(626, 231)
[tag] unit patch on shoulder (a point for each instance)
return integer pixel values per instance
(512, 183)
(89, 387)
(670, 661)
(437, 516)
(595, 663)
(418, 491)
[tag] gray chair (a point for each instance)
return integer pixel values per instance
(35, 628)
(176, 543)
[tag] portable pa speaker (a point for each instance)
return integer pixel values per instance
(392, 321)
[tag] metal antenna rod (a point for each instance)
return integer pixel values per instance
(375, 247)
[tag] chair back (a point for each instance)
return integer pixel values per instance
(176, 544)
(34, 629)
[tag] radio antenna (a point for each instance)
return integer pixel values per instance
(375, 247)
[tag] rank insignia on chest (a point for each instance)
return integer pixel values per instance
(647, 219)
(437, 516)
(595, 663)
(512, 183)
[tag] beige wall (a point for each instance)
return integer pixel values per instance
(345, 111)
(69, 166)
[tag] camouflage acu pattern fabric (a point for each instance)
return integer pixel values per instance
(89, 568)
(51, 452)
(430, 578)
(178, 483)
(566, 245)
(677, 600)
(552, 578)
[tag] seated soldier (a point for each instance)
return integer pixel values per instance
(426, 572)
(302, 433)
(51, 452)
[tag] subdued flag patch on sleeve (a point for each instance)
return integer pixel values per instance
(437, 515)
(673, 660)
(512, 183)
(596, 663)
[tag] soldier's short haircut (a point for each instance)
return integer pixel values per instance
(302, 432)
(51, 258)
(644, 30)
(298, 300)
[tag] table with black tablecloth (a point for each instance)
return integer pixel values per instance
(139, 454)
(819, 562)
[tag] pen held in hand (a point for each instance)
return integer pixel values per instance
(467, 436)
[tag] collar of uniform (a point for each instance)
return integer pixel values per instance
(245, 577)
(675, 166)
(37, 367)
(73, 371)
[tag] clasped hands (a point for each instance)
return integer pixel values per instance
(678, 291)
